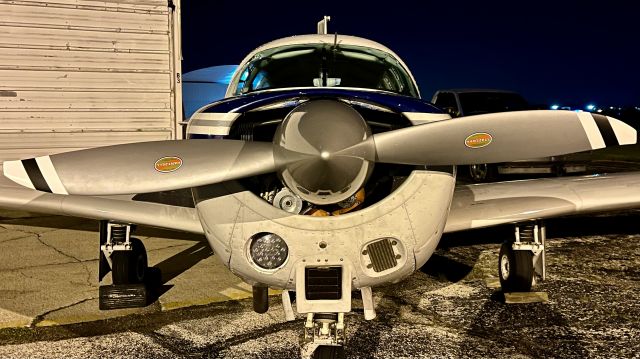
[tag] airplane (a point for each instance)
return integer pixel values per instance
(323, 172)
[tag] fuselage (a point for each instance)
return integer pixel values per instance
(381, 239)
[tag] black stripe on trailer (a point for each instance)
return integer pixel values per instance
(35, 175)
(606, 130)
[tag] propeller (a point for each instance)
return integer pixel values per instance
(323, 151)
(143, 167)
(496, 137)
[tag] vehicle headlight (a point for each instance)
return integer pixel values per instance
(268, 250)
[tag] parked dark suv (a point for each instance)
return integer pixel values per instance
(468, 102)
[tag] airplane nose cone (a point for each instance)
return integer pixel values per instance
(310, 141)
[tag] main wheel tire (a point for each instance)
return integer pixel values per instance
(482, 172)
(515, 269)
(329, 352)
(130, 267)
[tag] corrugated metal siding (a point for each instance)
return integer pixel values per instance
(82, 73)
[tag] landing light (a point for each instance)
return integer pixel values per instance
(268, 250)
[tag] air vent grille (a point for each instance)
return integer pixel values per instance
(323, 283)
(382, 255)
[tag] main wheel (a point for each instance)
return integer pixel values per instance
(130, 267)
(515, 269)
(329, 352)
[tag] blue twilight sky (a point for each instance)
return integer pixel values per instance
(571, 52)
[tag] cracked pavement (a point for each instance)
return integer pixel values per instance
(49, 271)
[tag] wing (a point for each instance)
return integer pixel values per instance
(124, 208)
(484, 205)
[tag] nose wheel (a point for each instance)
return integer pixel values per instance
(329, 352)
(324, 336)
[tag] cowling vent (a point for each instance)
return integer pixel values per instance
(382, 255)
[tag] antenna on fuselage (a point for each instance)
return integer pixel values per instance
(322, 25)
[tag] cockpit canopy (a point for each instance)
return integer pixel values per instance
(324, 65)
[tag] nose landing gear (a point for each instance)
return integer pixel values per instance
(324, 336)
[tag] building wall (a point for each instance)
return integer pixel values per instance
(84, 73)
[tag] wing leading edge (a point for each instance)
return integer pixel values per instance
(490, 204)
(473, 206)
(115, 209)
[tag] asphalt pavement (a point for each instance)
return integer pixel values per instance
(451, 308)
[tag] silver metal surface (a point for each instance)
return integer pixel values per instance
(131, 168)
(310, 139)
(507, 137)
(490, 204)
(117, 209)
(288, 201)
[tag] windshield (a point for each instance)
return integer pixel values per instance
(324, 65)
(475, 103)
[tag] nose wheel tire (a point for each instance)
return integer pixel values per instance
(130, 267)
(515, 269)
(329, 352)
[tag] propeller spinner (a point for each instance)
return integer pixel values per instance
(309, 143)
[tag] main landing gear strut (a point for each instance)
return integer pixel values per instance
(521, 262)
(126, 258)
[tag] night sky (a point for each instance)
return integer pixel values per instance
(552, 52)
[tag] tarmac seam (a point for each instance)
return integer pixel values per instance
(77, 260)
(25, 274)
(86, 268)
(39, 238)
(17, 269)
(15, 239)
(41, 317)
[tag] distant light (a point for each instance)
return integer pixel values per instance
(555, 107)
(599, 110)
(590, 107)
(577, 110)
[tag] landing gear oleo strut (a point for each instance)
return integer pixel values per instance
(126, 258)
(522, 261)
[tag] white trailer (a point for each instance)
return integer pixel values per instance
(85, 73)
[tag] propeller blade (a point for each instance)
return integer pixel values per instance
(496, 137)
(143, 167)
